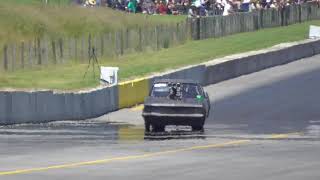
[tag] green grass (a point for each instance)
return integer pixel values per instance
(24, 20)
(54, 2)
(69, 76)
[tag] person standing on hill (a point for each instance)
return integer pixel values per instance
(245, 5)
(148, 7)
(227, 8)
(162, 8)
(132, 6)
(191, 12)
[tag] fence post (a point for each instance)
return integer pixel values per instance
(177, 33)
(5, 56)
(30, 53)
(89, 46)
(198, 28)
(61, 49)
(39, 51)
(54, 53)
(82, 48)
(35, 52)
(284, 16)
(95, 46)
(22, 55)
(112, 44)
(121, 42)
(75, 48)
(299, 11)
(101, 45)
(69, 42)
(188, 28)
(157, 36)
(14, 56)
(140, 39)
(46, 50)
(126, 39)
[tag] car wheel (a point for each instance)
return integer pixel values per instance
(147, 126)
(158, 128)
(197, 128)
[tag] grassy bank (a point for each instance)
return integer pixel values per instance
(51, 2)
(71, 76)
(26, 20)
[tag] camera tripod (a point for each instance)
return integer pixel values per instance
(93, 61)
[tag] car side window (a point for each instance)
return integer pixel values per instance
(191, 91)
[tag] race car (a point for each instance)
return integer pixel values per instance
(176, 102)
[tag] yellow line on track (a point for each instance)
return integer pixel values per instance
(124, 158)
(283, 136)
(279, 136)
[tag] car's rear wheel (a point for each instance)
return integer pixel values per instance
(197, 128)
(158, 128)
(147, 126)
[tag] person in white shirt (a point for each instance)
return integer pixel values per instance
(191, 12)
(227, 8)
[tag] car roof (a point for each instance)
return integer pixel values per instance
(188, 81)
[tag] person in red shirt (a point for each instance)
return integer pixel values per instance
(162, 8)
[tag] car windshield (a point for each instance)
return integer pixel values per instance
(160, 90)
(186, 90)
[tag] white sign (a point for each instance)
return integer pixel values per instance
(314, 32)
(109, 75)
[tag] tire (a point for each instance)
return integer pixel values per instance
(147, 126)
(197, 128)
(158, 128)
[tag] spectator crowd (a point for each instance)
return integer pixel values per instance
(192, 8)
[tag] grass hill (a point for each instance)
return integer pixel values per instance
(25, 19)
(55, 2)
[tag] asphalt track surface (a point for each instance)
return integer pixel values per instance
(265, 125)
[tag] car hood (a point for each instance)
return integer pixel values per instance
(165, 102)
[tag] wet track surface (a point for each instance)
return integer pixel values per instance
(264, 125)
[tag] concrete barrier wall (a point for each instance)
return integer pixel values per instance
(219, 71)
(44, 106)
